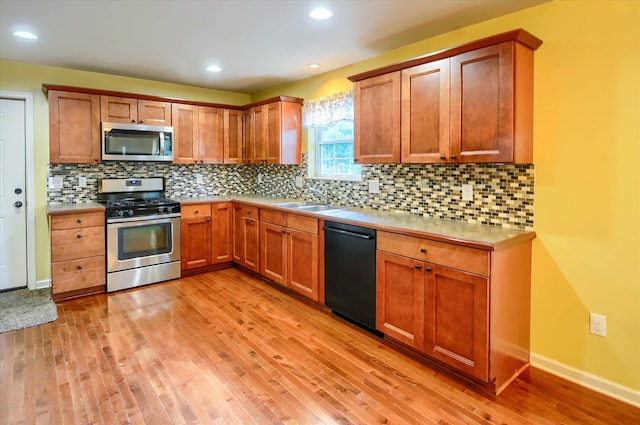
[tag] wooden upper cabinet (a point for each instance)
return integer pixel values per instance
(483, 105)
(232, 136)
(425, 112)
(273, 132)
(471, 103)
(131, 110)
(377, 119)
(74, 128)
(210, 135)
(185, 134)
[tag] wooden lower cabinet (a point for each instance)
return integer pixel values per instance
(195, 231)
(78, 264)
(466, 307)
(222, 240)
(246, 236)
(457, 319)
(400, 295)
(289, 251)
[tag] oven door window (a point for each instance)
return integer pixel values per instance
(144, 240)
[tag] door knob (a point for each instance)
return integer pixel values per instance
(17, 204)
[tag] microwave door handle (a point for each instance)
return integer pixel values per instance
(161, 141)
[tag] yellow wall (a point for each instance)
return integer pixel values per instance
(22, 77)
(586, 153)
(587, 160)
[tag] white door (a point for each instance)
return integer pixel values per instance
(13, 211)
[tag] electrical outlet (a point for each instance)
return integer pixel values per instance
(55, 182)
(598, 324)
(374, 186)
(467, 192)
(298, 181)
(199, 179)
(82, 181)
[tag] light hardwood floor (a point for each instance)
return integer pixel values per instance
(227, 348)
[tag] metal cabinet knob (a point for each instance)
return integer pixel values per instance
(418, 266)
(453, 157)
(443, 157)
(423, 250)
(79, 220)
(80, 267)
(79, 235)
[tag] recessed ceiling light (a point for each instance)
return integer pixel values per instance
(320, 13)
(214, 68)
(25, 35)
(314, 65)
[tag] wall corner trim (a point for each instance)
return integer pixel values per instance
(593, 382)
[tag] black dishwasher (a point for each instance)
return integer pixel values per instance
(350, 272)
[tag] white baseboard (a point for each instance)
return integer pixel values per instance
(40, 284)
(593, 382)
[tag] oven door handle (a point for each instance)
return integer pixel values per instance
(142, 218)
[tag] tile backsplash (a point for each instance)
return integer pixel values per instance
(502, 193)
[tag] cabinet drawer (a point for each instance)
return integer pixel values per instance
(77, 243)
(78, 274)
(302, 223)
(75, 221)
(458, 257)
(273, 217)
(195, 211)
(250, 212)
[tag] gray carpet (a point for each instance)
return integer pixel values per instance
(23, 308)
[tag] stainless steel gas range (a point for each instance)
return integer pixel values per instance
(143, 232)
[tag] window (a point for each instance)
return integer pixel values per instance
(334, 151)
(330, 123)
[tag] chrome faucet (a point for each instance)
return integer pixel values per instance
(321, 194)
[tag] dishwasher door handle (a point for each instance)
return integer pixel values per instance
(348, 233)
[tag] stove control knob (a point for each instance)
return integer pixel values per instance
(169, 209)
(161, 209)
(119, 213)
(130, 212)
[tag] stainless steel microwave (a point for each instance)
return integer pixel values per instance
(136, 142)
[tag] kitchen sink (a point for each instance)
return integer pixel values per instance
(318, 208)
(298, 204)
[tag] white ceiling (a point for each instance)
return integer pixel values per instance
(257, 43)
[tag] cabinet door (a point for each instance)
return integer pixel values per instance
(482, 105)
(400, 298)
(273, 252)
(247, 137)
(457, 320)
(377, 119)
(258, 134)
(221, 243)
(233, 125)
(153, 112)
(74, 128)
(238, 234)
(196, 242)
(251, 244)
(185, 134)
(272, 145)
(425, 113)
(302, 263)
(210, 131)
(118, 109)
